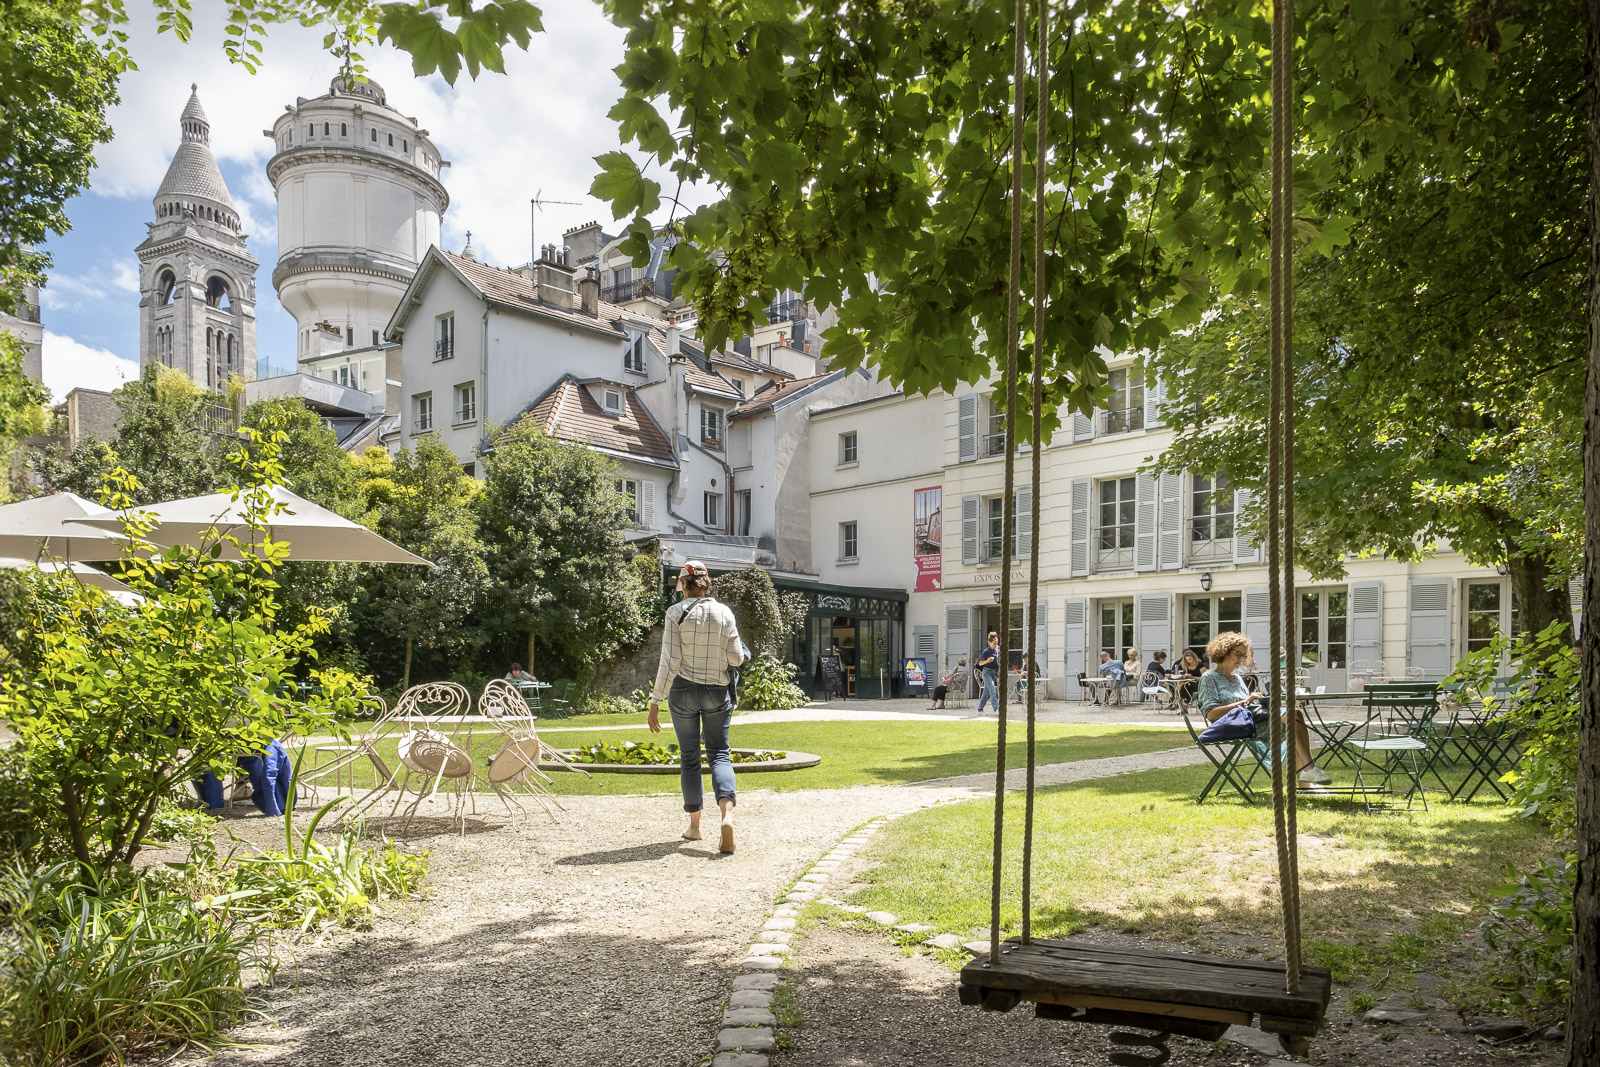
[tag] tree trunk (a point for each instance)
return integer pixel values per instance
(405, 678)
(1583, 1016)
(1538, 603)
(528, 666)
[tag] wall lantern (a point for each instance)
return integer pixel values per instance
(1205, 581)
(1502, 569)
(997, 596)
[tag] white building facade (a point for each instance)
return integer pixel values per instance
(909, 489)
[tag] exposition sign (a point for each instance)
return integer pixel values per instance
(927, 536)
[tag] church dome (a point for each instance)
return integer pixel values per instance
(193, 172)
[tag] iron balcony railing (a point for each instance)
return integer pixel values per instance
(787, 310)
(444, 348)
(1122, 420)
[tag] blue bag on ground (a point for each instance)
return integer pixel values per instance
(1235, 724)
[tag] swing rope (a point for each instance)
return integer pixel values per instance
(1040, 288)
(1283, 712)
(1280, 484)
(1007, 551)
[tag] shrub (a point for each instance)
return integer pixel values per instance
(767, 618)
(765, 684)
(1530, 925)
(313, 883)
(123, 707)
(94, 974)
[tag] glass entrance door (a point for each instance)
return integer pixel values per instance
(1324, 639)
(1207, 616)
(872, 658)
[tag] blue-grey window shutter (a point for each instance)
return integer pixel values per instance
(1078, 539)
(970, 508)
(967, 428)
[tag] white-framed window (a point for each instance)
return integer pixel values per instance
(1487, 605)
(847, 448)
(633, 355)
(1114, 527)
(466, 403)
(422, 413)
(711, 427)
(630, 489)
(741, 512)
(341, 375)
(1207, 616)
(1116, 629)
(713, 510)
(1126, 410)
(994, 425)
(848, 544)
(611, 400)
(738, 385)
(1210, 519)
(444, 337)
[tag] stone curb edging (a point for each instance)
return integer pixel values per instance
(749, 1027)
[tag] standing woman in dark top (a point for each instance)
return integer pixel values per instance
(989, 672)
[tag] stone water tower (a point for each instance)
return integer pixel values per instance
(359, 201)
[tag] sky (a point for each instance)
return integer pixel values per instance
(535, 129)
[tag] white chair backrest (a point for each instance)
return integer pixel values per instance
(430, 700)
(1322, 689)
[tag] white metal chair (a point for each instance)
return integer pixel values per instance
(1150, 688)
(515, 767)
(440, 753)
(341, 767)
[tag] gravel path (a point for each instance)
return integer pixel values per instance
(605, 939)
(613, 940)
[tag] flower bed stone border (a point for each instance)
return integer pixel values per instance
(792, 762)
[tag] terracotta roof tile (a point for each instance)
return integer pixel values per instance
(506, 286)
(568, 412)
(766, 398)
(711, 382)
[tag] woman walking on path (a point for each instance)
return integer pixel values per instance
(699, 645)
(989, 673)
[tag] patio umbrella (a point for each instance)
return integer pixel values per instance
(313, 532)
(31, 529)
(81, 571)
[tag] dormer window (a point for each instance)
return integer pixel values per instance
(612, 401)
(633, 355)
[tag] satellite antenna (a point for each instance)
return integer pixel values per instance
(535, 206)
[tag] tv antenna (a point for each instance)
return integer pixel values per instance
(535, 206)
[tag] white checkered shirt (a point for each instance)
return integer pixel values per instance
(699, 644)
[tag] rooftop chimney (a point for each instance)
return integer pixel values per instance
(674, 333)
(589, 293)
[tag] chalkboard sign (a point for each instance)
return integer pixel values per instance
(832, 674)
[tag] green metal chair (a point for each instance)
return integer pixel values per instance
(1228, 757)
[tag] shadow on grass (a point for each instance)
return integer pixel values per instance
(1134, 853)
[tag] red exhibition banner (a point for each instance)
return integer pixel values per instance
(926, 538)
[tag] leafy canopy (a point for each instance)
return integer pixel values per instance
(120, 707)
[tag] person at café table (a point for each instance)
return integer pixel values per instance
(517, 674)
(1222, 689)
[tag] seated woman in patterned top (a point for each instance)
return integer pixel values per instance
(1222, 689)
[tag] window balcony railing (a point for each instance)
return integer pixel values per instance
(1122, 420)
(444, 348)
(622, 292)
(711, 441)
(994, 444)
(786, 310)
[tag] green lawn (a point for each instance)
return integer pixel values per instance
(1381, 894)
(854, 753)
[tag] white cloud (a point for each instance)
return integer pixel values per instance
(74, 291)
(69, 364)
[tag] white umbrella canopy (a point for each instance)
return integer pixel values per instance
(313, 532)
(81, 571)
(32, 529)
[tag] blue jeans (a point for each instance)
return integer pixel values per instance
(990, 694)
(702, 711)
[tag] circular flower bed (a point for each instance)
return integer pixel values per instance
(648, 753)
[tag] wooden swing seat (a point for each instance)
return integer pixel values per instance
(1197, 996)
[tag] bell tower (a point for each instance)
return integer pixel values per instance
(197, 280)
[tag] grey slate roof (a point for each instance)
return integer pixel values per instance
(193, 172)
